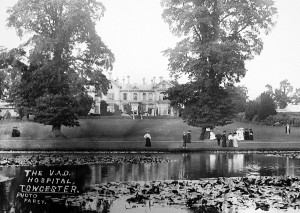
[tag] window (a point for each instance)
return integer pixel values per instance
(110, 108)
(135, 96)
(144, 96)
(125, 96)
(111, 96)
(150, 96)
(161, 96)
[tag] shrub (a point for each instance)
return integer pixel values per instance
(276, 120)
(267, 106)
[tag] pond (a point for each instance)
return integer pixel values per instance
(46, 188)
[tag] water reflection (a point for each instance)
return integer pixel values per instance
(191, 166)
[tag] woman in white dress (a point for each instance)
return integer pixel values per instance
(212, 135)
(235, 140)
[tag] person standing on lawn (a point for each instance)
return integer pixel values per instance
(235, 140)
(218, 136)
(230, 139)
(184, 138)
(251, 137)
(147, 136)
(224, 139)
(287, 129)
(188, 137)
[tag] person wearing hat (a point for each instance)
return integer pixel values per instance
(230, 140)
(224, 139)
(219, 137)
(184, 138)
(235, 140)
(188, 137)
(147, 136)
(15, 132)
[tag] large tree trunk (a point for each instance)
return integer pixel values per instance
(56, 132)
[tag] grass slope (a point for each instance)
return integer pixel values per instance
(133, 130)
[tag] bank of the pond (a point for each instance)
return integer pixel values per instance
(125, 146)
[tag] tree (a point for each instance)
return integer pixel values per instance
(296, 96)
(217, 37)
(251, 110)
(282, 94)
(267, 106)
(65, 56)
(239, 97)
(269, 90)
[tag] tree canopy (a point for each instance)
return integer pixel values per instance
(65, 56)
(217, 36)
(282, 95)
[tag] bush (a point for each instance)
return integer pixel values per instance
(276, 120)
(281, 120)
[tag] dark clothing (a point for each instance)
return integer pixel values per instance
(218, 136)
(251, 135)
(184, 138)
(224, 140)
(15, 133)
(188, 137)
(148, 142)
(230, 143)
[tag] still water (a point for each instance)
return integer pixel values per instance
(70, 180)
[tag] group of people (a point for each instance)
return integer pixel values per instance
(232, 139)
(186, 138)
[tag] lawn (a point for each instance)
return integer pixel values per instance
(133, 130)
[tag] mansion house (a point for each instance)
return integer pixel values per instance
(145, 98)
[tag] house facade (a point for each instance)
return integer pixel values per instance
(142, 99)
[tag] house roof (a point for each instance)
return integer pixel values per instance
(290, 108)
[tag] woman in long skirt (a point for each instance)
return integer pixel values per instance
(147, 136)
(235, 140)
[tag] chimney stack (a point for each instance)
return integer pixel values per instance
(123, 80)
(154, 80)
(160, 79)
(144, 81)
(128, 79)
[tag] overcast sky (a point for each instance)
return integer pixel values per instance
(136, 34)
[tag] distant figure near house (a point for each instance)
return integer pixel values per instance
(1, 115)
(188, 137)
(184, 138)
(287, 129)
(147, 136)
(15, 132)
